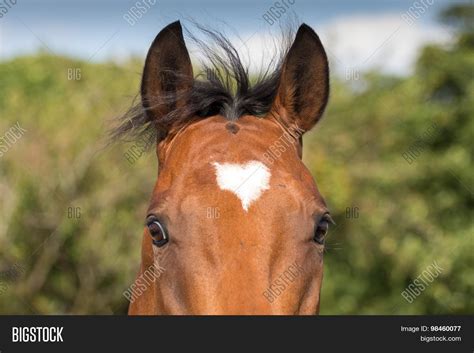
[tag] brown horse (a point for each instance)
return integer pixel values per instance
(236, 224)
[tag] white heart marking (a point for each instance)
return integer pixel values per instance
(247, 181)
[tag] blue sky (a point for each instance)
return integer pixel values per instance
(358, 35)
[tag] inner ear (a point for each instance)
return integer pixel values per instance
(304, 83)
(167, 75)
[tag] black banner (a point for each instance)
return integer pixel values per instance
(324, 333)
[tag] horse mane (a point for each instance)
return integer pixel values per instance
(222, 86)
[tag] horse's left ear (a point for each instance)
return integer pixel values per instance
(304, 82)
(167, 75)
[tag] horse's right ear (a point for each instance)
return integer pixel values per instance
(167, 75)
(304, 83)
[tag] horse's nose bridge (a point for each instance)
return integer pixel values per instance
(236, 258)
(246, 272)
(244, 294)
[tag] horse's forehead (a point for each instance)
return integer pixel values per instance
(246, 138)
(245, 160)
(237, 147)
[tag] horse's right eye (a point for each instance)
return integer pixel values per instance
(320, 232)
(322, 228)
(157, 232)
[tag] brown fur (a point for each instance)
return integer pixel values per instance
(225, 263)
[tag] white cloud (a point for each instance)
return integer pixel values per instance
(363, 42)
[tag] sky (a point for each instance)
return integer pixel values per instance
(358, 35)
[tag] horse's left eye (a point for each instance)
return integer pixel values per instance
(322, 229)
(157, 232)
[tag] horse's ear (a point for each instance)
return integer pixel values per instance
(167, 75)
(304, 82)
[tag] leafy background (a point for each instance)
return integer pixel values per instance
(405, 214)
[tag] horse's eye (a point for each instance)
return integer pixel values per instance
(322, 229)
(157, 232)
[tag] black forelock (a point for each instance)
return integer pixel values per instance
(222, 87)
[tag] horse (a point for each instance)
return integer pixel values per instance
(236, 224)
